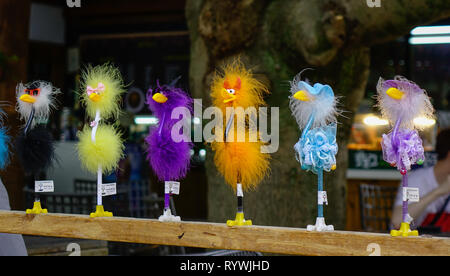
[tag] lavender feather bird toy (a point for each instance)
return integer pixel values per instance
(168, 149)
(401, 101)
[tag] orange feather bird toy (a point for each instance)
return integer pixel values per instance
(238, 156)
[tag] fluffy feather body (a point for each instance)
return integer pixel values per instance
(35, 150)
(110, 77)
(45, 102)
(169, 160)
(322, 104)
(106, 151)
(239, 161)
(403, 150)
(4, 148)
(415, 102)
(317, 149)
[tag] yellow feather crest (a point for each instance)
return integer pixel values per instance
(110, 96)
(107, 150)
(248, 90)
(241, 162)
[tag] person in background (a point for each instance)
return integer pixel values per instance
(433, 209)
(10, 244)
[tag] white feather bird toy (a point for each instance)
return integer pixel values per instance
(34, 145)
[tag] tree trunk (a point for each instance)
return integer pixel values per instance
(14, 22)
(277, 39)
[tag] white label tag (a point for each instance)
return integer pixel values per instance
(45, 186)
(239, 191)
(322, 198)
(109, 189)
(411, 194)
(172, 187)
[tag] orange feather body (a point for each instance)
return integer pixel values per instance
(239, 160)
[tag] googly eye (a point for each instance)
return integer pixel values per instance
(231, 91)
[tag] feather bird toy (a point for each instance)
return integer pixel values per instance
(5, 140)
(314, 108)
(401, 101)
(240, 161)
(101, 147)
(169, 156)
(34, 145)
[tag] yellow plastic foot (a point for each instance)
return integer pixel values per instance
(405, 231)
(37, 209)
(100, 212)
(239, 221)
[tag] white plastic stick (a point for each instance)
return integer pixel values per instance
(94, 129)
(99, 186)
(99, 171)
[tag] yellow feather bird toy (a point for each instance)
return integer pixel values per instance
(238, 157)
(101, 147)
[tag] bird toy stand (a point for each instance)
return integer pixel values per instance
(100, 210)
(240, 219)
(37, 208)
(321, 199)
(167, 216)
(405, 228)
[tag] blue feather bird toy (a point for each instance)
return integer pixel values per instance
(4, 143)
(314, 108)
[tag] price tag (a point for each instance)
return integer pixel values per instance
(411, 194)
(239, 191)
(45, 186)
(172, 187)
(109, 189)
(322, 198)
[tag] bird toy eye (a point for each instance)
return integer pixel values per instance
(231, 91)
(33, 92)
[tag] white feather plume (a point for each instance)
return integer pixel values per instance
(45, 101)
(415, 103)
(323, 105)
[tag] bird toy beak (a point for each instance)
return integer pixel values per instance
(159, 98)
(302, 96)
(27, 98)
(95, 97)
(228, 97)
(394, 93)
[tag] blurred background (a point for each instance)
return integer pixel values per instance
(152, 40)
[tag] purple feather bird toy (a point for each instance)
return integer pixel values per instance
(169, 146)
(401, 101)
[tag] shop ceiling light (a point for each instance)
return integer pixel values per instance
(372, 120)
(424, 122)
(431, 30)
(145, 120)
(420, 40)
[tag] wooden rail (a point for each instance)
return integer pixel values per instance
(292, 241)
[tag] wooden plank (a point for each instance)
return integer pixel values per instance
(291, 241)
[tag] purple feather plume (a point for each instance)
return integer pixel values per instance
(169, 159)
